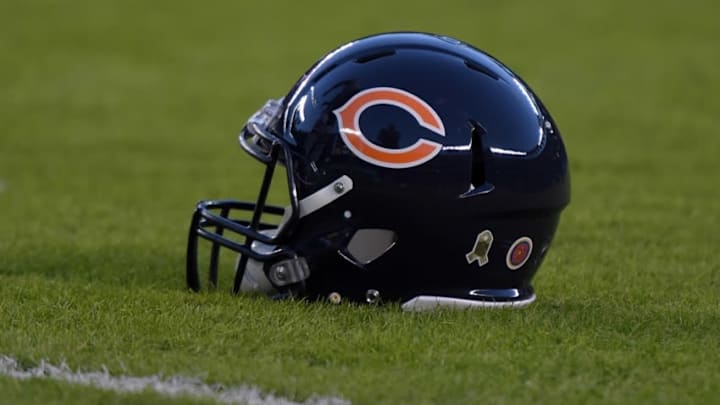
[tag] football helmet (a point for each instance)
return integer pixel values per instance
(420, 170)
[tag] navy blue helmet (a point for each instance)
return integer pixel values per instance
(420, 170)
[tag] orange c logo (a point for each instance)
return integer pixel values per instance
(421, 151)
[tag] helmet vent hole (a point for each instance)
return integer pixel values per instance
(481, 69)
(373, 56)
(477, 175)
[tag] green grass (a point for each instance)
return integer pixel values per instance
(117, 116)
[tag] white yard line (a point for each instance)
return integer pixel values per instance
(169, 386)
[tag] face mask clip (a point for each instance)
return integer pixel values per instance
(289, 271)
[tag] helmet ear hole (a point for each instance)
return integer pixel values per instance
(366, 245)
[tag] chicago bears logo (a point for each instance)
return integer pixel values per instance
(421, 151)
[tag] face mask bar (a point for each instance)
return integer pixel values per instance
(260, 143)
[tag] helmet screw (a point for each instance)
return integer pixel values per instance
(335, 298)
(549, 127)
(339, 187)
(280, 272)
(347, 214)
(372, 296)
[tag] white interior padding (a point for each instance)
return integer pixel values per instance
(367, 245)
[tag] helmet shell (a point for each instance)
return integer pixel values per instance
(501, 166)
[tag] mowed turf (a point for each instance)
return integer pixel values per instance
(117, 116)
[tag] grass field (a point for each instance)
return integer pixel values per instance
(117, 116)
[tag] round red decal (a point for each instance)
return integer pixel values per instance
(519, 253)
